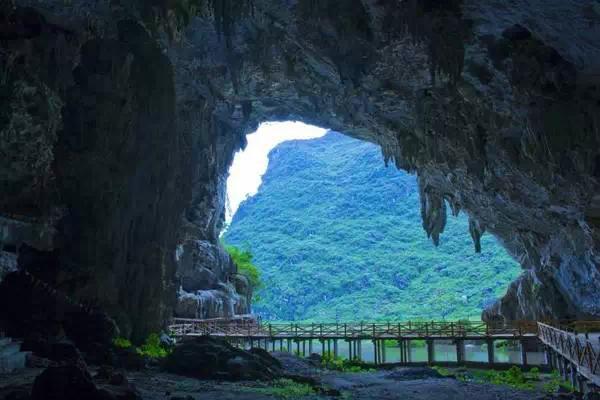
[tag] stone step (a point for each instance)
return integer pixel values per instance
(11, 356)
(13, 362)
(9, 349)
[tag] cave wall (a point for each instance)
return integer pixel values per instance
(119, 121)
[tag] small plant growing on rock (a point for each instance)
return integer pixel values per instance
(329, 361)
(122, 343)
(153, 348)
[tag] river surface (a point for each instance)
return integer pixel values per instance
(506, 351)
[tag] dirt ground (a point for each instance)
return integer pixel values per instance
(382, 384)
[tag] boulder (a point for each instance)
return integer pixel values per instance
(68, 382)
(74, 382)
(216, 359)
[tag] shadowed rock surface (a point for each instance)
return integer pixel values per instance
(116, 138)
(208, 358)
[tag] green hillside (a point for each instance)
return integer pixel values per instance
(337, 236)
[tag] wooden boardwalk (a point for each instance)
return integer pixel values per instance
(249, 328)
(574, 354)
(572, 347)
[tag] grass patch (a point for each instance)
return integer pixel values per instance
(555, 383)
(329, 361)
(284, 389)
(513, 377)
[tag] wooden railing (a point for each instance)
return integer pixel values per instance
(580, 351)
(378, 330)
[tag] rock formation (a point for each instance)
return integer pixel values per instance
(119, 120)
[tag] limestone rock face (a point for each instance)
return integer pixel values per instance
(120, 119)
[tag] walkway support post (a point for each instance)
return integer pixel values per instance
(460, 351)
(490, 350)
(523, 353)
(375, 352)
(359, 349)
(335, 348)
(574, 379)
(383, 358)
(430, 351)
(349, 349)
(549, 360)
(561, 367)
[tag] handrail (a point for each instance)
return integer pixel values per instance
(578, 350)
(252, 327)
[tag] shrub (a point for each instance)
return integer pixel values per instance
(555, 383)
(243, 261)
(122, 343)
(514, 377)
(329, 361)
(153, 348)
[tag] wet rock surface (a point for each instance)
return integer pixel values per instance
(125, 135)
(211, 358)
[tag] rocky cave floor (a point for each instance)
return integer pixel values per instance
(396, 383)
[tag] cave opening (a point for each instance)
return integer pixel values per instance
(336, 236)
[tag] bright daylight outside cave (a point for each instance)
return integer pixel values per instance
(266, 199)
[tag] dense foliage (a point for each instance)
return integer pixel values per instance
(152, 347)
(243, 261)
(330, 361)
(338, 236)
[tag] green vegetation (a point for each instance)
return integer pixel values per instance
(329, 361)
(513, 377)
(122, 343)
(153, 348)
(338, 236)
(243, 261)
(284, 389)
(556, 382)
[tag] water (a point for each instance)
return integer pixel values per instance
(505, 352)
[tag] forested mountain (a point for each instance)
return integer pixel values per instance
(338, 236)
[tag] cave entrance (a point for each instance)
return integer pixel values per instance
(336, 235)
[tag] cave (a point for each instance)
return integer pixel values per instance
(120, 119)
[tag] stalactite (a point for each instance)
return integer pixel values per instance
(227, 12)
(476, 229)
(433, 212)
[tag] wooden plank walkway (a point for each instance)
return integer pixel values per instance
(571, 353)
(248, 328)
(572, 347)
